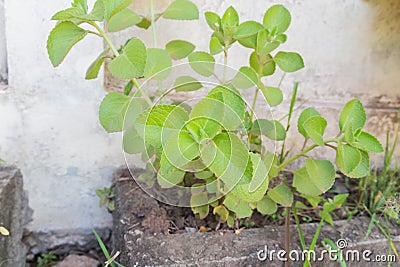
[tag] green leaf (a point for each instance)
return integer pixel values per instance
(253, 186)
(213, 20)
(168, 175)
(289, 61)
(282, 195)
(315, 129)
(69, 14)
(158, 124)
(367, 142)
(82, 4)
(274, 130)
(93, 70)
(132, 142)
(145, 23)
(122, 20)
(347, 158)
(239, 207)
(227, 157)
(179, 49)
(248, 29)
(222, 212)
(246, 33)
(113, 7)
(180, 149)
(131, 63)
(215, 46)
(326, 216)
(230, 18)
(272, 95)
(112, 111)
(363, 168)
(202, 63)
(245, 78)
(158, 64)
(262, 64)
(61, 39)
(204, 175)
(316, 178)
(266, 206)
(98, 11)
(305, 115)
(222, 108)
(264, 46)
(353, 113)
(186, 84)
(181, 10)
(277, 17)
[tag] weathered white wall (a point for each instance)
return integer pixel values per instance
(3, 50)
(49, 125)
(48, 116)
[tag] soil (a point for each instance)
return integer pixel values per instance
(152, 216)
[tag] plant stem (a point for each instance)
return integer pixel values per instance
(287, 235)
(104, 35)
(153, 24)
(292, 102)
(116, 53)
(225, 64)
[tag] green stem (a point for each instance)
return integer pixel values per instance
(153, 24)
(116, 53)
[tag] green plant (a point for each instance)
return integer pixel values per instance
(213, 153)
(47, 259)
(111, 260)
(106, 196)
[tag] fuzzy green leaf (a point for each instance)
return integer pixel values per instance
(132, 142)
(277, 17)
(272, 95)
(274, 130)
(215, 46)
(304, 116)
(202, 63)
(230, 18)
(247, 29)
(181, 10)
(168, 175)
(113, 7)
(367, 142)
(131, 63)
(179, 49)
(61, 39)
(159, 123)
(122, 20)
(227, 157)
(186, 84)
(112, 111)
(93, 70)
(316, 178)
(363, 168)
(289, 61)
(352, 113)
(158, 64)
(180, 149)
(348, 158)
(239, 207)
(282, 195)
(245, 78)
(262, 64)
(266, 206)
(315, 129)
(213, 20)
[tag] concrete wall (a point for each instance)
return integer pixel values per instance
(49, 124)
(3, 49)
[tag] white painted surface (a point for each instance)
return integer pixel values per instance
(48, 116)
(3, 49)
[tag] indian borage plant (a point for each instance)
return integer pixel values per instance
(212, 153)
